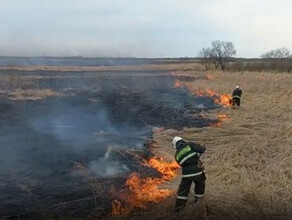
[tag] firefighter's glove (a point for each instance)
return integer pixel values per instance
(200, 165)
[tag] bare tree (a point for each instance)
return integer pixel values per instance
(205, 54)
(276, 57)
(223, 51)
(219, 54)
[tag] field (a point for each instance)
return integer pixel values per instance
(248, 157)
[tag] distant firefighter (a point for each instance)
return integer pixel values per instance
(236, 96)
(188, 157)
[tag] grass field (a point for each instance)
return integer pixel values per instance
(248, 159)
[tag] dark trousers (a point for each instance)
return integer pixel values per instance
(184, 189)
(236, 101)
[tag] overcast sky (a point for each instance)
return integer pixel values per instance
(142, 28)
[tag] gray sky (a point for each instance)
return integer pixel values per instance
(142, 28)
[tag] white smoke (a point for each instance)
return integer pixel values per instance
(200, 106)
(105, 167)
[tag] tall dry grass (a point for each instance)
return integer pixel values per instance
(248, 159)
(18, 87)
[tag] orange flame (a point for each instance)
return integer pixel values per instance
(166, 169)
(224, 100)
(178, 84)
(221, 99)
(117, 208)
(141, 192)
(181, 84)
(221, 119)
(199, 92)
(208, 77)
(145, 190)
(211, 93)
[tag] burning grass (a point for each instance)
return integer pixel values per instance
(141, 189)
(249, 157)
(168, 170)
(221, 99)
(221, 119)
(141, 192)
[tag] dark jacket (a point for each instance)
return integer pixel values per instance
(187, 156)
(237, 93)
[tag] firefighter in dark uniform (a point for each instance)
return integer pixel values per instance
(188, 157)
(236, 95)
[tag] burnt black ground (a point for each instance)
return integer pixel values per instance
(41, 139)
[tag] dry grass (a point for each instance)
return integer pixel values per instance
(33, 94)
(162, 66)
(248, 159)
(13, 81)
(18, 87)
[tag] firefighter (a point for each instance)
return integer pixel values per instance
(236, 95)
(188, 157)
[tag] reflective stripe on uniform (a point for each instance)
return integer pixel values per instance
(183, 151)
(192, 174)
(199, 195)
(236, 96)
(182, 197)
(187, 157)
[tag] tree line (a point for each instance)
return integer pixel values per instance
(221, 55)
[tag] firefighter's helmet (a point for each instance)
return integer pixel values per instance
(237, 87)
(175, 140)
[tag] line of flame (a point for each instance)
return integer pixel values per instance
(221, 99)
(143, 191)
